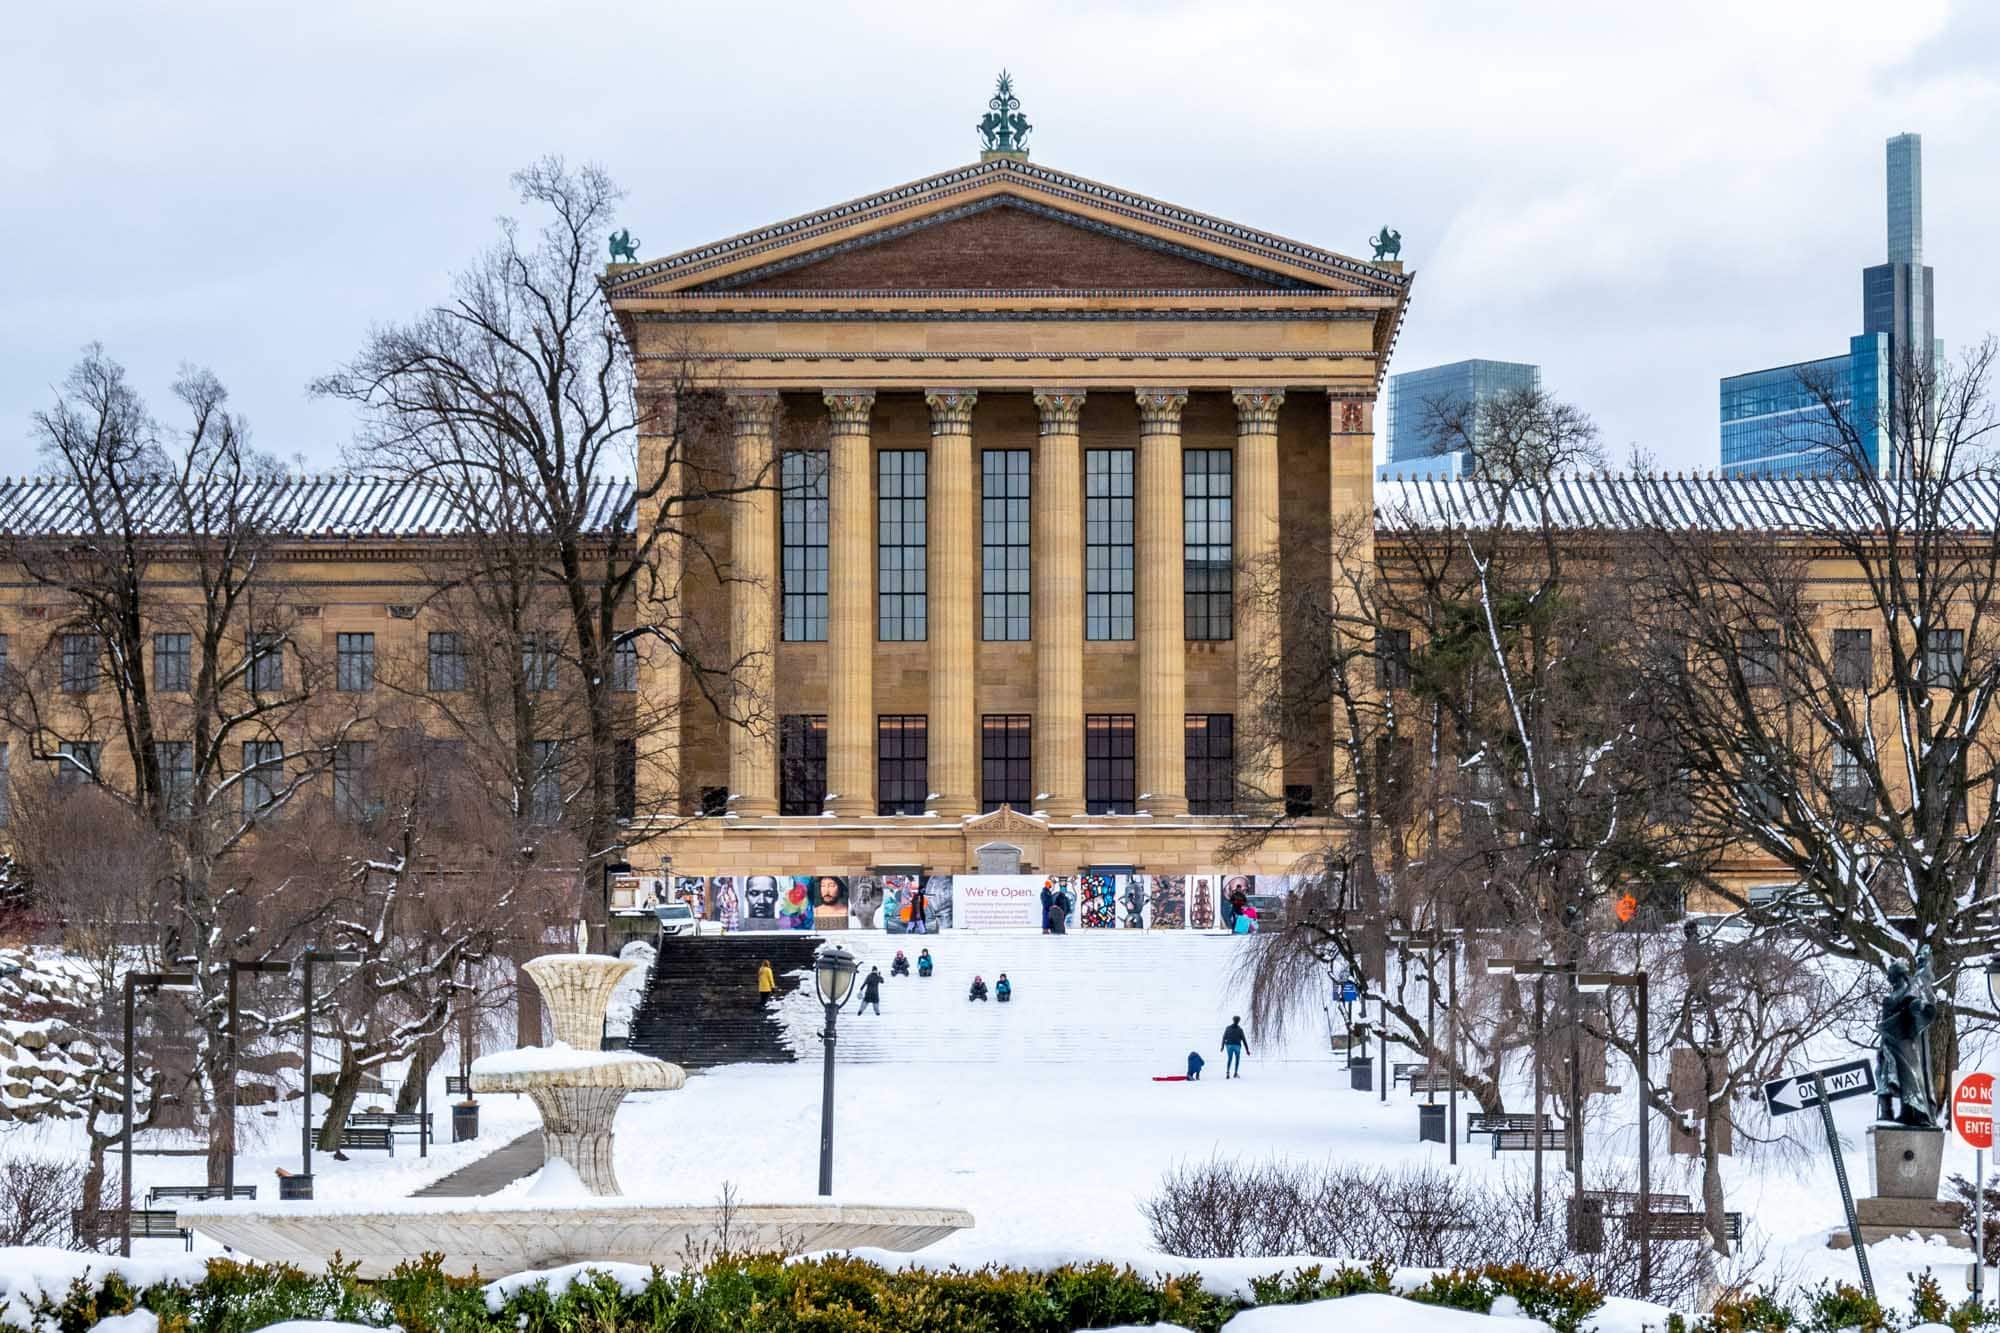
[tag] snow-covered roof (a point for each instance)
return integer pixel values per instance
(1601, 502)
(307, 507)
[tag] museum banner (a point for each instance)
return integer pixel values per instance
(997, 902)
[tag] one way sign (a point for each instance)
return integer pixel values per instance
(1856, 1078)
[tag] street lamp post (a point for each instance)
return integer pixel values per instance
(135, 982)
(833, 978)
(1594, 983)
(304, 1188)
(237, 967)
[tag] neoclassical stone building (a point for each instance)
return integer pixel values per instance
(1001, 608)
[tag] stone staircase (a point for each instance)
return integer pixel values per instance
(701, 1007)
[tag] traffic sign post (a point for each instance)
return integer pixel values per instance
(1972, 1123)
(1821, 1088)
(1826, 1097)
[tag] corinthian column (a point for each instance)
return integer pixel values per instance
(662, 472)
(753, 759)
(954, 763)
(1162, 608)
(1057, 515)
(1260, 771)
(850, 607)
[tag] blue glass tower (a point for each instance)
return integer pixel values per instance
(1417, 397)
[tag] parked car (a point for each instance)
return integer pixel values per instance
(676, 919)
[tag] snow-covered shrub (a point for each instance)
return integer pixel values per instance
(37, 1197)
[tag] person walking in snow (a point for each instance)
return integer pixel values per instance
(871, 992)
(1003, 989)
(1195, 1062)
(1048, 908)
(1059, 912)
(919, 908)
(901, 967)
(978, 991)
(1234, 1044)
(924, 963)
(766, 982)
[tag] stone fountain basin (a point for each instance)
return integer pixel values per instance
(497, 1237)
(542, 1068)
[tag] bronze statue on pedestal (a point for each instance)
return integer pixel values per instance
(1903, 1048)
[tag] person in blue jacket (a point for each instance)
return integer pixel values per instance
(1195, 1062)
(1003, 989)
(924, 963)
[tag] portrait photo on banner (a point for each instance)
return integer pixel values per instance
(864, 903)
(725, 902)
(760, 900)
(829, 901)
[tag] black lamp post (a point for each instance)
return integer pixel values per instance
(303, 1188)
(1596, 982)
(1429, 943)
(135, 982)
(833, 978)
(1525, 967)
(237, 967)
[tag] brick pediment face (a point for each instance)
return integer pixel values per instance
(1008, 246)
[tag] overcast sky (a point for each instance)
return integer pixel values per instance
(1641, 198)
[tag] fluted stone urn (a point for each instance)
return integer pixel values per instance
(576, 1086)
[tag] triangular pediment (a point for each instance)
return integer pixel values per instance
(1006, 820)
(1004, 225)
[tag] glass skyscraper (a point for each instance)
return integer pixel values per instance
(1781, 421)
(1417, 397)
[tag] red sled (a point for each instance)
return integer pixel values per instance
(1170, 1078)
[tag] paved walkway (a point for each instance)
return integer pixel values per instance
(498, 1169)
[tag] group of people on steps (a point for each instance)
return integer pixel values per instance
(871, 985)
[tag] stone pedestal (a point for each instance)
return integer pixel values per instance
(1903, 1169)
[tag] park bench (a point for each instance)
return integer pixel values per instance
(198, 1193)
(1480, 1122)
(1555, 1138)
(1421, 1083)
(1405, 1072)
(147, 1224)
(454, 1086)
(406, 1123)
(1680, 1224)
(370, 1138)
(1618, 1203)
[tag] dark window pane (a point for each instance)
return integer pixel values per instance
(1854, 658)
(1006, 761)
(900, 570)
(1110, 766)
(803, 523)
(447, 661)
(1392, 658)
(1211, 763)
(80, 657)
(1208, 522)
(1107, 549)
(267, 661)
(263, 776)
(354, 662)
(625, 666)
(802, 764)
(173, 663)
(354, 798)
(902, 776)
(1005, 562)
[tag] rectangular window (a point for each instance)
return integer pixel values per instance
(173, 663)
(1943, 662)
(1211, 763)
(1107, 545)
(803, 521)
(902, 764)
(625, 666)
(802, 764)
(1853, 658)
(1208, 542)
(444, 763)
(538, 661)
(447, 661)
(79, 663)
(545, 782)
(76, 763)
(354, 798)
(175, 760)
(1850, 787)
(354, 663)
(263, 775)
(1110, 764)
(1392, 659)
(267, 661)
(1004, 527)
(625, 780)
(1758, 651)
(901, 581)
(1005, 765)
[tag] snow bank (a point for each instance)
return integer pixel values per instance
(631, 1279)
(30, 1272)
(1374, 1314)
(139, 1321)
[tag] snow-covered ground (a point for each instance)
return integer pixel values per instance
(1043, 1118)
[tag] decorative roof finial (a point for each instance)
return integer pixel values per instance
(1003, 127)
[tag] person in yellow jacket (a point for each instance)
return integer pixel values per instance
(766, 983)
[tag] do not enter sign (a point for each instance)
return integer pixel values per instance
(1972, 1110)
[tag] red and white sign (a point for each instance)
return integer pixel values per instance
(1972, 1110)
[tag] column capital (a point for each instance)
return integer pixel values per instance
(756, 409)
(848, 409)
(1353, 414)
(951, 410)
(1061, 409)
(1257, 410)
(1160, 410)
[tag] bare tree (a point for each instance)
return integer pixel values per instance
(1827, 653)
(516, 399)
(173, 679)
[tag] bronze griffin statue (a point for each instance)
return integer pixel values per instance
(1388, 244)
(624, 247)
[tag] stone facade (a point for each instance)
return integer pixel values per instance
(1009, 306)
